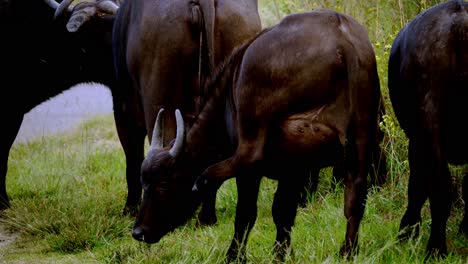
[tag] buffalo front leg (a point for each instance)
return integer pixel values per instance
(207, 214)
(246, 215)
(132, 137)
(10, 130)
(310, 187)
(284, 211)
(247, 157)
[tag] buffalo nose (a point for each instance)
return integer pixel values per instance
(138, 233)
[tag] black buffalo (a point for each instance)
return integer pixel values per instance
(164, 51)
(428, 84)
(292, 99)
(46, 48)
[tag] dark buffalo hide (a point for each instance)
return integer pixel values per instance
(164, 51)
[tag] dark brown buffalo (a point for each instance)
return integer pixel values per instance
(295, 97)
(428, 84)
(164, 50)
(39, 58)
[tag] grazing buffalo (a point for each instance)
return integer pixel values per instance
(428, 84)
(41, 58)
(164, 51)
(295, 97)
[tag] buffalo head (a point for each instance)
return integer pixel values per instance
(168, 201)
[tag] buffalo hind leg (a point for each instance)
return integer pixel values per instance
(355, 196)
(440, 183)
(6, 141)
(440, 203)
(246, 215)
(417, 194)
(378, 173)
(285, 203)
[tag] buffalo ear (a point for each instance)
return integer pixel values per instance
(156, 138)
(180, 138)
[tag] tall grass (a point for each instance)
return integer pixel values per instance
(68, 191)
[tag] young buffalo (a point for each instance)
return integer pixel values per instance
(297, 96)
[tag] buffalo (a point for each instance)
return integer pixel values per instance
(294, 98)
(46, 48)
(428, 85)
(163, 52)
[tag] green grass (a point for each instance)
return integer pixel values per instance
(67, 191)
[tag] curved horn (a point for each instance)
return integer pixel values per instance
(108, 7)
(180, 138)
(156, 139)
(52, 3)
(64, 5)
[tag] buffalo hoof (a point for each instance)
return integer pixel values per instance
(347, 251)
(282, 252)
(436, 252)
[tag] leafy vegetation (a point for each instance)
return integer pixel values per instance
(68, 191)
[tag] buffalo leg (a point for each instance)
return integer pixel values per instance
(284, 212)
(429, 178)
(207, 214)
(378, 173)
(357, 169)
(6, 141)
(246, 158)
(464, 223)
(246, 215)
(440, 202)
(132, 137)
(417, 193)
(310, 187)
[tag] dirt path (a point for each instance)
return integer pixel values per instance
(5, 240)
(65, 111)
